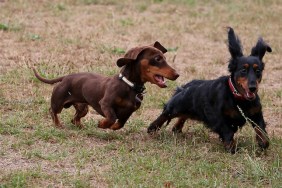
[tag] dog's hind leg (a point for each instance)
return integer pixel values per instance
(81, 111)
(55, 118)
(58, 99)
(177, 128)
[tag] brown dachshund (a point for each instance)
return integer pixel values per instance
(117, 97)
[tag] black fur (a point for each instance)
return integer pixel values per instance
(213, 102)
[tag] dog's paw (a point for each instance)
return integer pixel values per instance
(262, 138)
(103, 124)
(116, 126)
(152, 129)
(176, 130)
(230, 147)
(77, 123)
(263, 143)
(59, 125)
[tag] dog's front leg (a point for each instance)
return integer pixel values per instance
(109, 113)
(226, 133)
(261, 134)
(157, 124)
(119, 124)
(229, 142)
(177, 128)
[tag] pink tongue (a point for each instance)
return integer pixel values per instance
(250, 95)
(160, 80)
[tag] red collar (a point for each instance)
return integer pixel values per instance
(235, 93)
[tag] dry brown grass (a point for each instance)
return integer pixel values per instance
(61, 37)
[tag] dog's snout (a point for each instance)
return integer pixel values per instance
(252, 85)
(171, 74)
(252, 88)
(176, 75)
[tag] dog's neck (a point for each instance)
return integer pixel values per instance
(130, 75)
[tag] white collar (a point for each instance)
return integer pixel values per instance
(137, 88)
(126, 80)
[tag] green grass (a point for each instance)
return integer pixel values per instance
(4, 27)
(21, 178)
(15, 27)
(72, 36)
(170, 160)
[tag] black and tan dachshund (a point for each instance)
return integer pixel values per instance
(223, 104)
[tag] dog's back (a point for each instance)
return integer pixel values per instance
(197, 98)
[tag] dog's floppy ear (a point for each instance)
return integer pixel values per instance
(133, 53)
(160, 47)
(234, 44)
(130, 56)
(260, 48)
(123, 61)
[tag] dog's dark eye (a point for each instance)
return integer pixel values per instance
(258, 72)
(244, 71)
(158, 58)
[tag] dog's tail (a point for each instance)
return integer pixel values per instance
(47, 81)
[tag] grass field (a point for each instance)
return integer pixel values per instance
(67, 36)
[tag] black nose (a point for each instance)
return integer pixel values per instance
(176, 76)
(253, 88)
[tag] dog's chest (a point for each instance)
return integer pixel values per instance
(131, 103)
(231, 113)
(234, 113)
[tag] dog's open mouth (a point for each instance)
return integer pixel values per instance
(160, 81)
(250, 95)
(247, 93)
